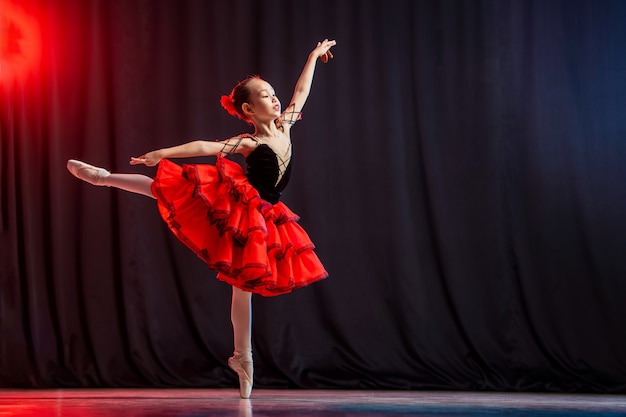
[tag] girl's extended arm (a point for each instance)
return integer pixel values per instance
(238, 144)
(303, 86)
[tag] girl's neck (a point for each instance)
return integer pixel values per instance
(268, 129)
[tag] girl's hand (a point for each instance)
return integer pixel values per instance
(322, 50)
(150, 159)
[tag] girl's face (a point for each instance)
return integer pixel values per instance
(263, 101)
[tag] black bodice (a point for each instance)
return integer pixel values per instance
(263, 172)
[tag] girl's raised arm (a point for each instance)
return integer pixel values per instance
(303, 86)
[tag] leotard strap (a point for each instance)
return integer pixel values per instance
(231, 145)
(289, 116)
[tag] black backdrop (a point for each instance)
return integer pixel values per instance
(460, 166)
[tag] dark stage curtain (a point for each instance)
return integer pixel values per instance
(460, 166)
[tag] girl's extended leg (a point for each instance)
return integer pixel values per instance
(241, 362)
(135, 183)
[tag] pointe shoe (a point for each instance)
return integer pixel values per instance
(243, 367)
(89, 173)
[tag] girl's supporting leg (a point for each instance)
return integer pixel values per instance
(241, 362)
(135, 183)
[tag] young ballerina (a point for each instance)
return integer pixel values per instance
(233, 220)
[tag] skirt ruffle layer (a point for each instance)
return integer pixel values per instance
(252, 244)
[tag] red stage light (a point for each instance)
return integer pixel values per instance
(20, 42)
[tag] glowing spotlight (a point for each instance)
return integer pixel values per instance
(20, 42)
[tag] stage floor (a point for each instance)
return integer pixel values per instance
(304, 403)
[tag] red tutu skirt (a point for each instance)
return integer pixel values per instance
(252, 244)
